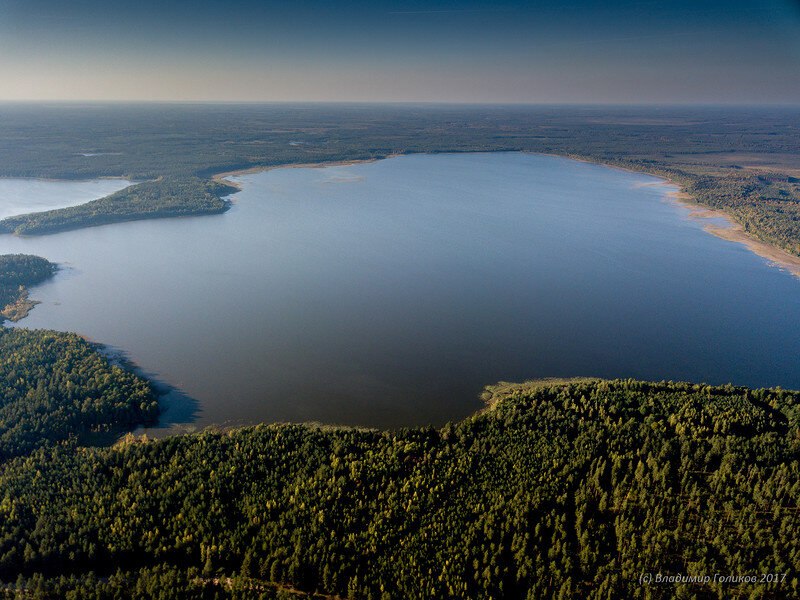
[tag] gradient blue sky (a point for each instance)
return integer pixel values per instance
(705, 51)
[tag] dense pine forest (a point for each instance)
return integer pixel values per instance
(743, 160)
(56, 387)
(560, 489)
(17, 273)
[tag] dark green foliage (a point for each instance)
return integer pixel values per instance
(24, 269)
(165, 197)
(163, 582)
(558, 490)
(56, 387)
(18, 271)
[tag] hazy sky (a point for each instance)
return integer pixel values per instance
(705, 51)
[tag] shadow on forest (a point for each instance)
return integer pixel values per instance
(179, 411)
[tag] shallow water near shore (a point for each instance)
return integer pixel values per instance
(388, 294)
(21, 196)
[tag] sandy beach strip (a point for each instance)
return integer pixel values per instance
(728, 229)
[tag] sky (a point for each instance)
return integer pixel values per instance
(550, 51)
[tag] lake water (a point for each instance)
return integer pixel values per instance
(389, 293)
(20, 196)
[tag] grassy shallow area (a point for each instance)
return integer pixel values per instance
(560, 489)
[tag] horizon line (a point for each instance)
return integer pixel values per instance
(567, 103)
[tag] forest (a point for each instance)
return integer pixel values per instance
(17, 273)
(57, 388)
(558, 489)
(742, 160)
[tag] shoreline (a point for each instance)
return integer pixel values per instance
(90, 179)
(20, 308)
(733, 232)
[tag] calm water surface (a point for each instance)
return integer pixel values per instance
(389, 293)
(20, 196)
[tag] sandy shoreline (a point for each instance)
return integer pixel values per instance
(733, 232)
(730, 230)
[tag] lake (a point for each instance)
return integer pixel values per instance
(20, 196)
(389, 293)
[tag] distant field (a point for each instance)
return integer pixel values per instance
(774, 163)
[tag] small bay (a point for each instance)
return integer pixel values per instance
(21, 196)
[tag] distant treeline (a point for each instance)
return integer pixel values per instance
(165, 197)
(743, 160)
(558, 490)
(147, 141)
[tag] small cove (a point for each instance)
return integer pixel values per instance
(21, 196)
